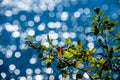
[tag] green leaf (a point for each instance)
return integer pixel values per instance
(67, 54)
(79, 43)
(43, 47)
(105, 72)
(68, 41)
(72, 51)
(92, 51)
(106, 19)
(116, 40)
(64, 74)
(118, 34)
(48, 62)
(49, 40)
(116, 48)
(101, 13)
(108, 78)
(113, 23)
(95, 76)
(102, 60)
(30, 38)
(110, 29)
(77, 64)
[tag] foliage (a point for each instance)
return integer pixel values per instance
(69, 57)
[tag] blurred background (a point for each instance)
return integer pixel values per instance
(61, 19)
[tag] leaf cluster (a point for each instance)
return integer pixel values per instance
(70, 57)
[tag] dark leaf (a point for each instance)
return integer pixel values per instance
(116, 40)
(97, 10)
(79, 76)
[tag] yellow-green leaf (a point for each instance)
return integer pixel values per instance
(48, 38)
(30, 38)
(118, 34)
(72, 51)
(77, 64)
(68, 41)
(95, 76)
(67, 54)
(105, 72)
(48, 61)
(102, 61)
(101, 13)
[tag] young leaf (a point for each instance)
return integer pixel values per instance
(48, 62)
(101, 13)
(95, 76)
(67, 54)
(68, 41)
(30, 38)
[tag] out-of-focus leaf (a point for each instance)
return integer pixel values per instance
(105, 72)
(102, 60)
(108, 78)
(106, 19)
(43, 47)
(89, 33)
(76, 64)
(113, 23)
(48, 62)
(79, 76)
(79, 43)
(70, 63)
(59, 52)
(30, 38)
(116, 48)
(68, 41)
(64, 74)
(88, 52)
(92, 62)
(110, 29)
(92, 51)
(25, 47)
(101, 13)
(105, 47)
(118, 34)
(72, 51)
(97, 10)
(95, 76)
(96, 31)
(61, 65)
(111, 53)
(40, 55)
(106, 66)
(67, 54)
(49, 40)
(116, 40)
